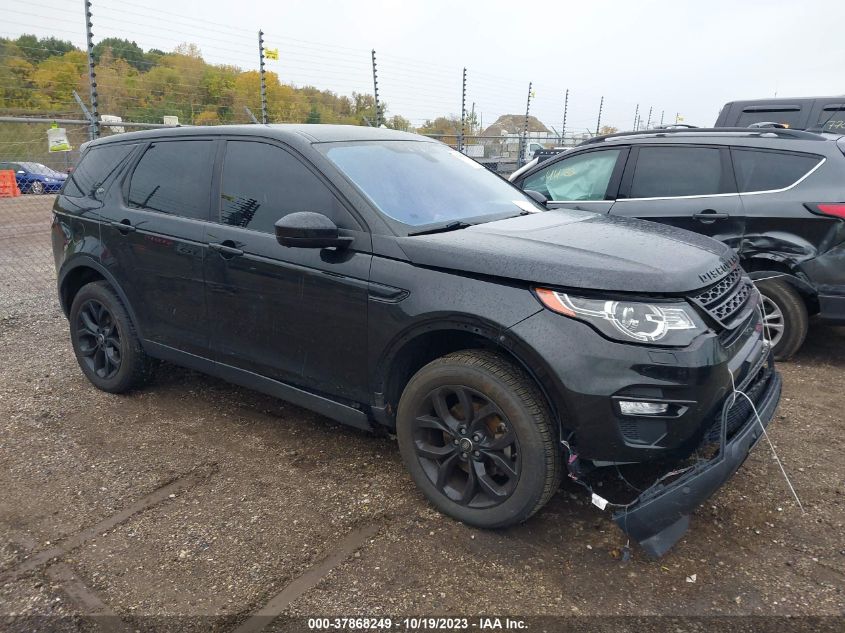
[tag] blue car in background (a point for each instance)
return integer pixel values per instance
(35, 177)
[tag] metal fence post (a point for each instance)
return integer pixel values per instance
(463, 113)
(637, 117)
(524, 140)
(375, 91)
(565, 108)
(648, 123)
(92, 75)
(261, 74)
(662, 112)
(598, 122)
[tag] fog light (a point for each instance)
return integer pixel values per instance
(643, 408)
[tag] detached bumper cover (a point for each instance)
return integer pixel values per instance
(661, 514)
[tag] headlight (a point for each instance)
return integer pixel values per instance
(662, 323)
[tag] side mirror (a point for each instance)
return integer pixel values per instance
(307, 229)
(536, 196)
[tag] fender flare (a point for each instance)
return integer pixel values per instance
(87, 261)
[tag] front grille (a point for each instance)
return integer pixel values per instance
(725, 299)
(741, 410)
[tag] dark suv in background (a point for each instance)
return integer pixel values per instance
(389, 282)
(777, 196)
(822, 114)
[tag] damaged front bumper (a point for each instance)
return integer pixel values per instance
(660, 515)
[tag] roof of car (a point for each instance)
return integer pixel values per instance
(309, 133)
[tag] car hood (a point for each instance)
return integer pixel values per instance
(578, 249)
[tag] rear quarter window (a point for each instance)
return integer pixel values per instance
(789, 117)
(759, 170)
(97, 165)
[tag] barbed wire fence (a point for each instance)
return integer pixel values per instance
(116, 67)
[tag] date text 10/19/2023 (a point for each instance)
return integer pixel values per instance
(416, 624)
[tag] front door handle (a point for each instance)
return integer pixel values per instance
(226, 249)
(708, 216)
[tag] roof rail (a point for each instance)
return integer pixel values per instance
(711, 131)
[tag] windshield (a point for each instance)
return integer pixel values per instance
(418, 183)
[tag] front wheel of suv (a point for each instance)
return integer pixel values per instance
(105, 341)
(476, 435)
(784, 317)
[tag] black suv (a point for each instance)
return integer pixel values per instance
(777, 196)
(389, 282)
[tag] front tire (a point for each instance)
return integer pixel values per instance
(104, 340)
(477, 438)
(784, 317)
(36, 187)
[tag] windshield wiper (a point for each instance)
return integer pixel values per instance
(451, 226)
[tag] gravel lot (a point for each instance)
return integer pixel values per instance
(196, 498)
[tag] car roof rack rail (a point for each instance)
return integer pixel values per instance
(710, 131)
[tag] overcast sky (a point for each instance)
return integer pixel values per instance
(672, 56)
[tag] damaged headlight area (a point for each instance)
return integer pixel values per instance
(670, 323)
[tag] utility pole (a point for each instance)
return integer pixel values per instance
(463, 112)
(598, 123)
(565, 108)
(524, 140)
(261, 74)
(375, 91)
(92, 76)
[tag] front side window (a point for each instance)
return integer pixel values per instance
(758, 170)
(174, 177)
(832, 119)
(583, 177)
(96, 166)
(668, 172)
(418, 183)
(262, 183)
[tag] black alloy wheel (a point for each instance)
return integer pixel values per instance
(99, 339)
(466, 447)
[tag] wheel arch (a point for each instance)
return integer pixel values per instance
(761, 268)
(425, 343)
(84, 270)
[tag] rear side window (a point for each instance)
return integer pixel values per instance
(758, 170)
(788, 116)
(262, 183)
(582, 177)
(667, 172)
(174, 177)
(96, 167)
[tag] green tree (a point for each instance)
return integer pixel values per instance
(314, 115)
(36, 50)
(121, 49)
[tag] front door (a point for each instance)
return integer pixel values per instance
(691, 187)
(298, 315)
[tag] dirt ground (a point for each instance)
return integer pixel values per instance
(195, 504)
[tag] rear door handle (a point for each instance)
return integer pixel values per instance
(226, 249)
(124, 226)
(708, 216)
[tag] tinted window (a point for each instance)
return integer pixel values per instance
(582, 177)
(764, 171)
(663, 172)
(94, 169)
(832, 120)
(175, 178)
(262, 183)
(790, 118)
(421, 183)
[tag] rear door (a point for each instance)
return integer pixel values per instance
(770, 187)
(688, 186)
(586, 180)
(298, 315)
(153, 240)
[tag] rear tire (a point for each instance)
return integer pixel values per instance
(784, 317)
(493, 467)
(104, 340)
(36, 187)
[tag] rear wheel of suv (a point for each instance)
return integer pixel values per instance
(104, 340)
(477, 438)
(784, 317)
